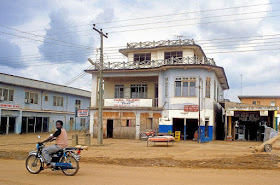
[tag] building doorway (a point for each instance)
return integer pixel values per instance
(3, 126)
(110, 128)
(7, 125)
(191, 127)
(34, 124)
(178, 125)
(31, 125)
(12, 124)
(248, 125)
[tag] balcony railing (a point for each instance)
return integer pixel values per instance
(160, 43)
(156, 63)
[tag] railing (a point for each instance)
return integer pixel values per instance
(160, 43)
(156, 63)
(155, 101)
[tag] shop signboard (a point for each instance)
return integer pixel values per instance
(2, 105)
(190, 108)
(122, 102)
(263, 113)
(82, 112)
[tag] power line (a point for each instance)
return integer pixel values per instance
(165, 15)
(200, 43)
(195, 18)
(46, 42)
(178, 25)
(80, 75)
(160, 22)
(219, 52)
(45, 37)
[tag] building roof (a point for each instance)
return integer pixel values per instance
(154, 45)
(261, 96)
(37, 84)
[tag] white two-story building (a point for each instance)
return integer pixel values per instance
(158, 89)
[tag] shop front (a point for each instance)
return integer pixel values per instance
(248, 122)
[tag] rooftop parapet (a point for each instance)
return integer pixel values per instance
(160, 43)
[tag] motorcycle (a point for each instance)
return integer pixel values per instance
(66, 160)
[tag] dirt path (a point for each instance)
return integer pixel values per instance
(14, 172)
(189, 154)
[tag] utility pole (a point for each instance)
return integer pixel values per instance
(199, 133)
(100, 100)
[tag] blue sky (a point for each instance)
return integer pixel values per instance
(42, 57)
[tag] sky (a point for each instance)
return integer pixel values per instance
(51, 40)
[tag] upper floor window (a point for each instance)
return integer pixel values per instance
(207, 88)
(142, 58)
(185, 87)
(256, 102)
(31, 97)
(119, 91)
(173, 54)
(57, 101)
(78, 104)
(272, 103)
(6, 94)
(138, 91)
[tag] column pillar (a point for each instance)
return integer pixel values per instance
(19, 122)
(229, 126)
(8, 125)
(225, 127)
(137, 132)
(91, 122)
(94, 90)
(160, 90)
(93, 101)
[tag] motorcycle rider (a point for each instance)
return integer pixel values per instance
(61, 142)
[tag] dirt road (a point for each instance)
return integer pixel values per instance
(189, 154)
(14, 172)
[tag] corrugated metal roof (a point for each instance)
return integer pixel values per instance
(37, 84)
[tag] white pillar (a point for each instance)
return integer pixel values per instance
(8, 125)
(160, 90)
(93, 102)
(19, 122)
(137, 133)
(91, 122)
(94, 90)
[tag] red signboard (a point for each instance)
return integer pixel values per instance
(8, 105)
(82, 113)
(191, 108)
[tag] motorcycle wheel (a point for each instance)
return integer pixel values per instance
(74, 163)
(33, 164)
